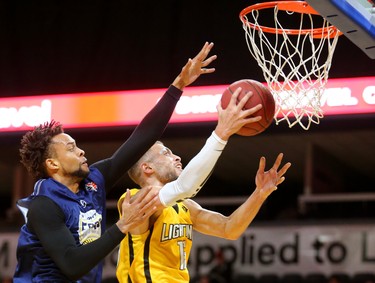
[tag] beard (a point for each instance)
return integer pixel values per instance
(80, 174)
(166, 177)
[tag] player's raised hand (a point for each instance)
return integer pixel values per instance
(267, 181)
(235, 116)
(195, 67)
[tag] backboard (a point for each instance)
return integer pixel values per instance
(354, 18)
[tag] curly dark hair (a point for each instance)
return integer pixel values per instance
(35, 147)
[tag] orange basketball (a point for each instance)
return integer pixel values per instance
(261, 95)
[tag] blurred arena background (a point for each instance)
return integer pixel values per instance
(52, 47)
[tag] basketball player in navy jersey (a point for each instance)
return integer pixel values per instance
(158, 249)
(64, 238)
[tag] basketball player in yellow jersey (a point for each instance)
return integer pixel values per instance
(159, 254)
(158, 250)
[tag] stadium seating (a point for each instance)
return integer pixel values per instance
(363, 278)
(340, 278)
(269, 278)
(245, 278)
(292, 278)
(315, 278)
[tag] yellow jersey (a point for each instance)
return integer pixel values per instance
(160, 254)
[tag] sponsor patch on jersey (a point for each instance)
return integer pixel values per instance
(89, 229)
(91, 186)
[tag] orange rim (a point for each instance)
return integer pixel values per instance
(301, 7)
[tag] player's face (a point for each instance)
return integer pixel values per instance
(167, 166)
(70, 158)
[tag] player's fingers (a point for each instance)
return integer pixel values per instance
(278, 161)
(208, 71)
(148, 208)
(144, 195)
(249, 120)
(219, 108)
(127, 197)
(252, 110)
(149, 194)
(201, 52)
(283, 170)
(262, 164)
(138, 197)
(208, 61)
(126, 201)
(244, 99)
(234, 97)
(204, 51)
(280, 180)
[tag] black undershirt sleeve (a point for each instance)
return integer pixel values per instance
(144, 136)
(74, 261)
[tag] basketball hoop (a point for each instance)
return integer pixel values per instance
(295, 61)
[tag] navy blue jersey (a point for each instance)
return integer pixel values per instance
(79, 248)
(83, 211)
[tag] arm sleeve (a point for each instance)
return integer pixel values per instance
(195, 173)
(57, 240)
(144, 136)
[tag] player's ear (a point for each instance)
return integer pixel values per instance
(147, 168)
(52, 164)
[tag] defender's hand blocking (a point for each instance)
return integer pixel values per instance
(195, 67)
(136, 211)
(267, 182)
(234, 116)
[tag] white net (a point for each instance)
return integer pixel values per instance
(295, 66)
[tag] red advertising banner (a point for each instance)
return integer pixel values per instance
(121, 108)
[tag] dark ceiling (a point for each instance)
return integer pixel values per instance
(77, 46)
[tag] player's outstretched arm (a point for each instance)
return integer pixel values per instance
(153, 124)
(195, 174)
(232, 227)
